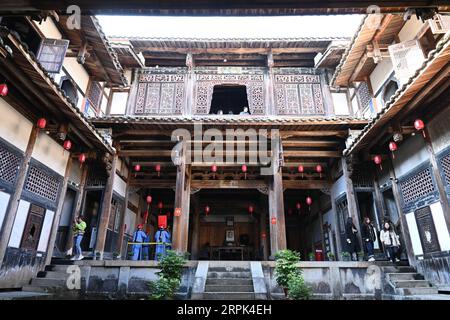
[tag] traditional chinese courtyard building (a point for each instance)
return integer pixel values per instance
(245, 146)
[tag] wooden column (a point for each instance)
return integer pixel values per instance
(322, 236)
(404, 225)
(123, 214)
(106, 210)
(189, 85)
(57, 217)
(351, 200)
(182, 199)
(78, 204)
(337, 230)
(276, 203)
(439, 182)
(270, 99)
(195, 229)
(13, 203)
(263, 228)
(378, 200)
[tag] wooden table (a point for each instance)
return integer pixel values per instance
(219, 249)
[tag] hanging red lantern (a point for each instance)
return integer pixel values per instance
(137, 168)
(420, 126)
(244, 170)
(377, 159)
(393, 147)
(309, 202)
(273, 220)
(207, 210)
(263, 235)
(67, 145)
(251, 209)
(41, 123)
(148, 199)
(319, 170)
(214, 170)
(160, 205)
(298, 206)
(81, 159)
(3, 89)
(301, 169)
(158, 169)
(290, 211)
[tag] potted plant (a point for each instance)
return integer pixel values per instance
(311, 256)
(345, 256)
(361, 256)
(286, 267)
(330, 256)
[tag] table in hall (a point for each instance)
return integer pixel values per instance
(242, 249)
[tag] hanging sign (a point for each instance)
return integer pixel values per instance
(177, 212)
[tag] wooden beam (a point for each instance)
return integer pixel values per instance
(306, 184)
(228, 184)
(319, 133)
(311, 143)
(312, 154)
(14, 199)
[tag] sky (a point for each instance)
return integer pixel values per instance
(231, 27)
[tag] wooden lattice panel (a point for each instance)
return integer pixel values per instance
(9, 165)
(445, 163)
(361, 177)
(417, 186)
(42, 184)
(363, 95)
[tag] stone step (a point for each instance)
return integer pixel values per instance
(229, 281)
(56, 261)
(228, 288)
(58, 268)
(232, 274)
(24, 295)
(412, 284)
(33, 288)
(228, 296)
(398, 269)
(405, 276)
(229, 269)
(48, 282)
(418, 291)
(53, 275)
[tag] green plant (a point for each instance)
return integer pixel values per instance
(171, 266)
(311, 256)
(330, 256)
(286, 266)
(298, 290)
(345, 255)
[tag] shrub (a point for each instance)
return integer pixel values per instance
(298, 290)
(285, 266)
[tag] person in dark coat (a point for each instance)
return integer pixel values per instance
(368, 237)
(352, 240)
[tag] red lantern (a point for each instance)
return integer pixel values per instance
(158, 169)
(81, 158)
(207, 210)
(301, 169)
(273, 220)
(309, 202)
(244, 170)
(393, 147)
(298, 206)
(319, 170)
(214, 170)
(290, 211)
(148, 199)
(137, 168)
(41, 123)
(160, 205)
(420, 126)
(251, 209)
(377, 159)
(67, 144)
(263, 235)
(3, 89)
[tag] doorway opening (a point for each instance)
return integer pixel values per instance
(65, 222)
(91, 217)
(229, 100)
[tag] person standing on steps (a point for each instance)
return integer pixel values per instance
(368, 237)
(390, 241)
(352, 240)
(79, 226)
(138, 237)
(162, 238)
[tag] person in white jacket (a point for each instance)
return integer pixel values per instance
(391, 241)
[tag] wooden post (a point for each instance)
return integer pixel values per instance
(439, 182)
(378, 200)
(404, 225)
(195, 229)
(263, 227)
(189, 85)
(57, 217)
(182, 199)
(78, 204)
(270, 97)
(322, 236)
(337, 229)
(106, 210)
(13, 203)
(123, 214)
(351, 200)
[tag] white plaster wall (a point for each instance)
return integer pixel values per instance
(19, 224)
(49, 29)
(50, 153)
(77, 72)
(75, 172)
(411, 153)
(410, 29)
(4, 199)
(119, 102)
(14, 128)
(441, 226)
(414, 233)
(340, 103)
(338, 188)
(45, 232)
(130, 220)
(380, 74)
(119, 185)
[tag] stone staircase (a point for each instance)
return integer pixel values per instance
(230, 281)
(53, 280)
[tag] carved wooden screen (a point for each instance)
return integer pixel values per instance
(298, 94)
(160, 94)
(33, 227)
(205, 85)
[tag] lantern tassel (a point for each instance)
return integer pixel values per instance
(393, 155)
(424, 134)
(381, 167)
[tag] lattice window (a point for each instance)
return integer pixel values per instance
(51, 54)
(445, 162)
(361, 177)
(9, 165)
(42, 184)
(363, 95)
(95, 94)
(96, 177)
(417, 186)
